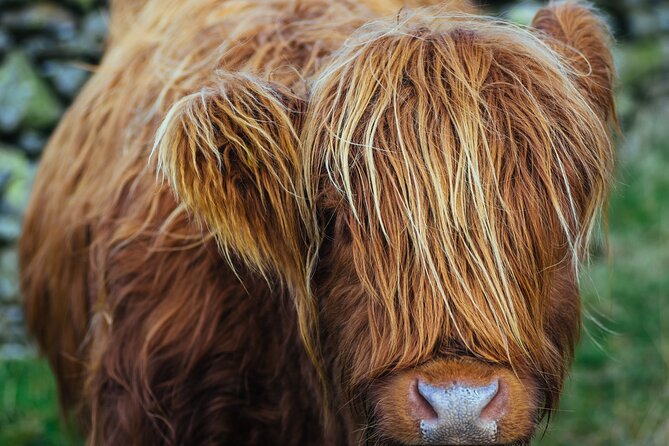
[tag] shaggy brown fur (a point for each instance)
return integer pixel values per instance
(359, 201)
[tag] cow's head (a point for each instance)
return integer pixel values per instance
(427, 205)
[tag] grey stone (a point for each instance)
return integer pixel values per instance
(9, 263)
(94, 33)
(38, 47)
(67, 77)
(15, 166)
(24, 98)
(8, 288)
(95, 25)
(9, 269)
(14, 315)
(6, 41)
(81, 46)
(32, 142)
(10, 228)
(41, 17)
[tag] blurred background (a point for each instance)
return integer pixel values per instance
(618, 393)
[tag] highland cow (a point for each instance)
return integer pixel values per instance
(320, 222)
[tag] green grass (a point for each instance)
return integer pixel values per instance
(28, 408)
(619, 390)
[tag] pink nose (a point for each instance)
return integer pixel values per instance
(456, 413)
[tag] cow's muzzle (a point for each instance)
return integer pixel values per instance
(455, 402)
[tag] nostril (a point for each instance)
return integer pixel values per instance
(496, 408)
(421, 407)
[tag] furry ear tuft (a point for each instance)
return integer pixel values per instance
(583, 38)
(230, 154)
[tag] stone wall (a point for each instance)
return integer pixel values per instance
(47, 50)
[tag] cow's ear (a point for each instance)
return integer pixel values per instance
(230, 154)
(582, 37)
